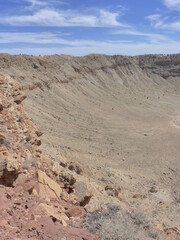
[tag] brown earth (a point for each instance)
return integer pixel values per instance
(113, 124)
(33, 205)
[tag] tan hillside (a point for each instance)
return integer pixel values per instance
(117, 119)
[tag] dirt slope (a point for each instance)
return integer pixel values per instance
(35, 203)
(118, 117)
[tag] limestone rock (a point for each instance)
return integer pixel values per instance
(47, 187)
(2, 138)
(49, 211)
(10, 168)
(84, 192)
(18, 99)
(13, 164)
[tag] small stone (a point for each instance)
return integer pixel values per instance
(153, 190)
(2, 138)
(37, 142)
(28, 138)
(75, 211)
(39, 132)
(18, 99)
(111, 191)
(64, 223)
(1, 106)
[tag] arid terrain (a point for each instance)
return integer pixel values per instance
(113, 123)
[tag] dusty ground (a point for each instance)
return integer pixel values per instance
(119, 118)
(35, 201)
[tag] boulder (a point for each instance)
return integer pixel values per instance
(84, 192)
(75, 211)
(10, 168)
(48, 188)
(13, 164)
(44, 210)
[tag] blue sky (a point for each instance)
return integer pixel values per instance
(80, 27)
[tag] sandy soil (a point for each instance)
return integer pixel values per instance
(118, 118)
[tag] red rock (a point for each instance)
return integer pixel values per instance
(22, 169)
(75, 211)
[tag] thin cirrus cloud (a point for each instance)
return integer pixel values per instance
(50, 38)
(59, 38)
(34, 38)
(152, 37)
(172, 4)
(167, 22)
(66, 18)
(38, 4)
(81, 47)
(164, 23)
(34, 3)
(101, 48)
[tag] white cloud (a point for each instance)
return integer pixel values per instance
(154, 38)
(52, 17)
(173, 26)
(48, 38)
(109, 18)
(34, 38)
(39, 4)
(160, 22)
(172, 4)
(156, 20)
(34, 3)
(167, 22)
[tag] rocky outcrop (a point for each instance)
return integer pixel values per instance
(18, 139)
(31, 202)
(60, 69)
(165, 66)
(47, 187)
